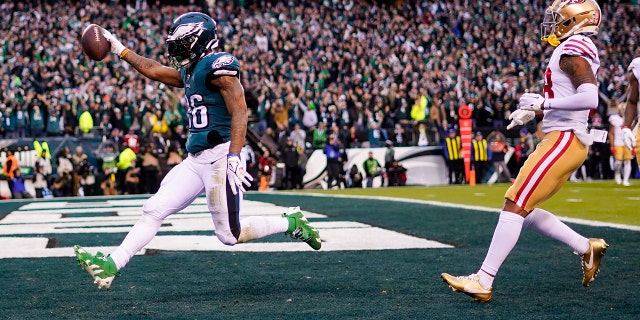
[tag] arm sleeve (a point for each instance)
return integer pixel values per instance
(586, 98)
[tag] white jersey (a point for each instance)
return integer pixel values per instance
(616, 121)
(557, 84)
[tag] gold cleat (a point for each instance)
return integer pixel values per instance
(468, 285)
(591, 260)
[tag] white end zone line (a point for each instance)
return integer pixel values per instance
(48, 219)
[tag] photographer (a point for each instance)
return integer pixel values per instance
(63, 180)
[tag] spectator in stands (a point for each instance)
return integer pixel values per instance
(132, 141)
(54, 121)
(70, 121)
(39, 180)
(174, 157)
(63, 180)
(421, 135)
(36, 123)
(132, 180)
(389, 154)
(319, 136)
(79, 160)
(21, 119)
(19, 190)
(9, 124)
(299, 137)
(44, 162)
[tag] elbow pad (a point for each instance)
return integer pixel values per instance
(586, 98)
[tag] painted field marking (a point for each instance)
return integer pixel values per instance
(117, 216)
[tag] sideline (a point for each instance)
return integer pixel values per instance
(591, 223)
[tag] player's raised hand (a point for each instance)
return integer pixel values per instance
(116, 46)
(520, 117)
(531, 101)
(236, 173)
(628, 138)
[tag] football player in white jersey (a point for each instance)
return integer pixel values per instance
(217, 129)
(621, 154)
(570, 92)
(631, 112)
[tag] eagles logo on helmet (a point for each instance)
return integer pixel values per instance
(191, 36)
(564, 18)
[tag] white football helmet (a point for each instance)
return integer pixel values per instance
(564, 18)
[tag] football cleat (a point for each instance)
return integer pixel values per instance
(591, 260)
(299, 228)
(469, 285)
(101, 268)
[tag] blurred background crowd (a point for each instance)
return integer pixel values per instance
(369, 73)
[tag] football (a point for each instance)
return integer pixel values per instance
(94, 44)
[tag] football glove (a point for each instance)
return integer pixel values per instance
(520, 117)
(116, 46)
(628, 138)
(531, 101)
(236, 173)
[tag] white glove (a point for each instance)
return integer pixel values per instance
(236, 173)
(520, 117)
(531, 101)
(628, 138)
(116, 46)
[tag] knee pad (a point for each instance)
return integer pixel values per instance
(157, 208)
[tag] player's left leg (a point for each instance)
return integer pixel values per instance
(225, 210)
(549, 180)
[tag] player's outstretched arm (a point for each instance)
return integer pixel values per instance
(148, 67)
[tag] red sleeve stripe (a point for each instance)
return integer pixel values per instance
(580, 48)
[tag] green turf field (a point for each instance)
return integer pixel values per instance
(540, 279)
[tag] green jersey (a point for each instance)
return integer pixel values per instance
(209, 119)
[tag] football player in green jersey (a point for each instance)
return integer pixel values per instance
(218, 118)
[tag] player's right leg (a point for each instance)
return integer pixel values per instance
(178, 189)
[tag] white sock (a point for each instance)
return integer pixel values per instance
(547, 224)
(504, 239)
(256, 227)
(626, 170)
(139, 236)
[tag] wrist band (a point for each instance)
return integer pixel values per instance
(625, 127)
(124, 52)
(233, 154)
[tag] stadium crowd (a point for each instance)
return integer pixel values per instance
(367, 72)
